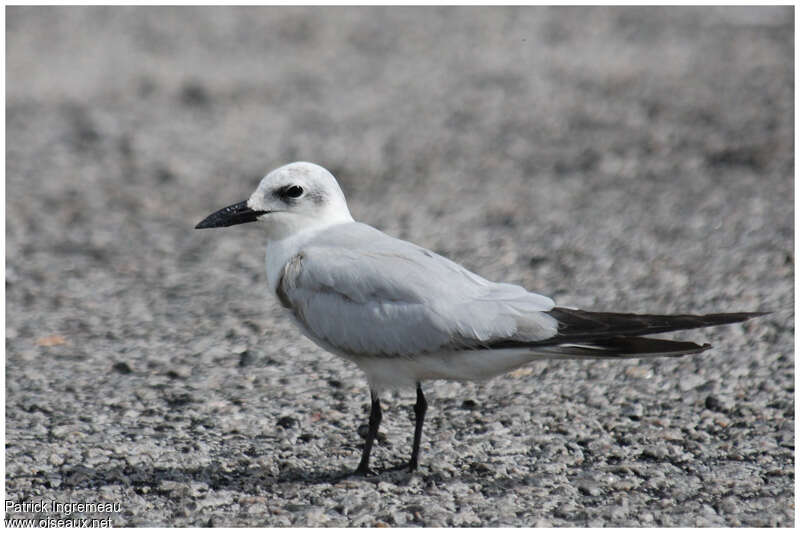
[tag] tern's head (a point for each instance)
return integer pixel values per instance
(289, 199)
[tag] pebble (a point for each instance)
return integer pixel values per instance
(692, 381)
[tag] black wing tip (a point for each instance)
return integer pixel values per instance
(698, 349)
(741, 316)
(576, 324)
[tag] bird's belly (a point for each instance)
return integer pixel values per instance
(403, 371)
(476, 365)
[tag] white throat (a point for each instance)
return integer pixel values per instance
(279, 225)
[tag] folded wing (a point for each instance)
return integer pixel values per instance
(373, 295)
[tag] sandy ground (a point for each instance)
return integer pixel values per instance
(629, 159)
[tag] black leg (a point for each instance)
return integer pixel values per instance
(419, 410)
(374, 422)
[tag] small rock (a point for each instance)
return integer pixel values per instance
(197, 489)
(286, 422)
(625, 484)
(466, 518)
(521, 372)
(122, 367)
(659, 452)
(719, 404)
(479, 468)
(634, 411)
(646, 518)
(246, 358)
(171, 486)
(691, 381)
(619, 514)
(639, 372)
(179, 372)
(194, 94)
(589, 487)
(730, 506)
(51, 340)
(56, 460)
(469, 404)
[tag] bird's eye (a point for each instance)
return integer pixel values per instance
(293, 191)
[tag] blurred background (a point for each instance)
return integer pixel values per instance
(631, 159)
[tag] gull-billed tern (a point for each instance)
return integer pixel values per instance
(404, 314)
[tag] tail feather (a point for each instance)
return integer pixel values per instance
(592, 335)
(619, 348)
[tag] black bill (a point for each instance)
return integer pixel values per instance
(230, 216)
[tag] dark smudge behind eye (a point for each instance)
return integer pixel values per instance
(316, 195)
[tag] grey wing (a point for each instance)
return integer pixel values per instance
(399, 299)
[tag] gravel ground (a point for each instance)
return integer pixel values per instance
(629, 159)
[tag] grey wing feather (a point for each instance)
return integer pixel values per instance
(365, 293)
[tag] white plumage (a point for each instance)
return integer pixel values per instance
(404, 314)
